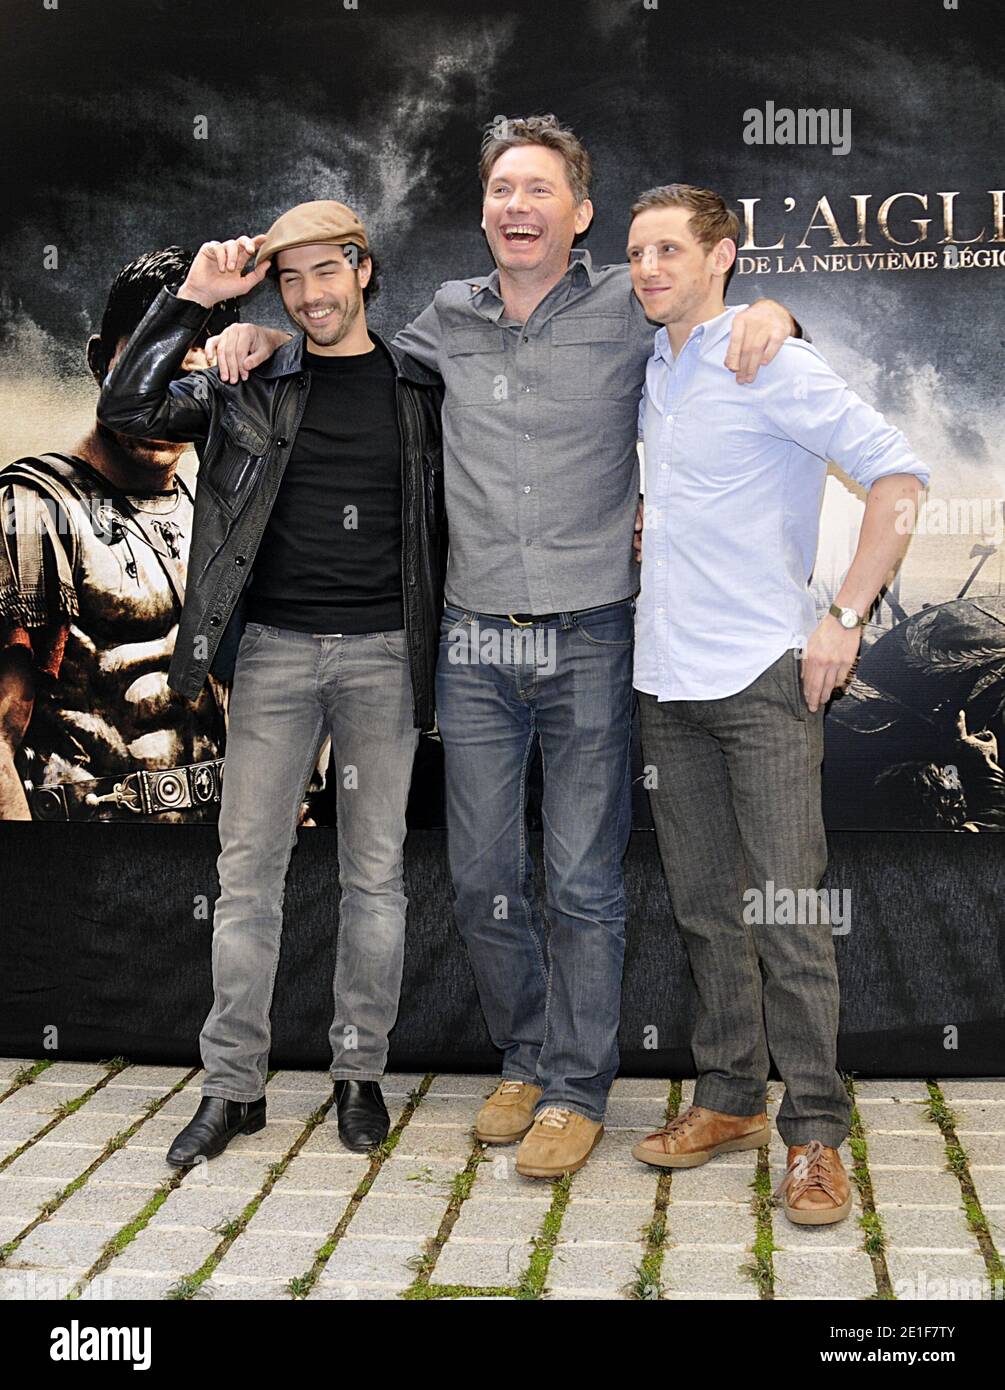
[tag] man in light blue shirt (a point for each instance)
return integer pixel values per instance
(734, 482)
(733, 672)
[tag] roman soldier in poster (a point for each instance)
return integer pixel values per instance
(93, 561)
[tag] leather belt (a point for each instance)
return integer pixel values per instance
(524, 619)
(529, 619)
(144, 792)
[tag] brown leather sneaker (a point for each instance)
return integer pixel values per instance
(560, 1142)
(508, 1113)
(815, 1190)
(698, 1135)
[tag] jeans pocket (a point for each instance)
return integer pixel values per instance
(609, 627)
(253, 636)
(452, 619)
(394, 643)
(250, 638)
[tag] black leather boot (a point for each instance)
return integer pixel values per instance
(213, 1126)
(362, 1115)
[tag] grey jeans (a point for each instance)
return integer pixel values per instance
(737, 812)
(289, 689)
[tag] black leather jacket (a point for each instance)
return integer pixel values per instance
(244, 432)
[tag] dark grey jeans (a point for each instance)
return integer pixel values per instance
(739, 824)
(290, 688)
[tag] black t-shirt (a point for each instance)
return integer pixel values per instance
(330, 557)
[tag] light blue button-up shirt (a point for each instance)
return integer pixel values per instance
(734, 477)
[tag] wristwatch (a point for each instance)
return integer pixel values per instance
(847, 617)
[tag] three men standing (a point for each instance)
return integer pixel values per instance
(542, 363)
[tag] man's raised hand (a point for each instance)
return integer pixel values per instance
(215, 274)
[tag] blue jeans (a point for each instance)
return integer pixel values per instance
(290, 689)
(552, 1000)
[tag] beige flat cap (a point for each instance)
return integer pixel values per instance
(324, 220)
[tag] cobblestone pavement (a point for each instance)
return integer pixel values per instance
(89, 1208)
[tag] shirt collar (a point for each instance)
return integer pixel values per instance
(705, 335)
(580, 270)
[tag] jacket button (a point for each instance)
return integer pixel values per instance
(215, 620)
(282, 443)
(238, 559)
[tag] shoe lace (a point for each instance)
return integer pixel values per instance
(680, 1123)
(553, 1116)
(808, 1170)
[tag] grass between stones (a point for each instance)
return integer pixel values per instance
(25, 1077)
(531, 1284)
(761, 1267)
(117, 1141)
(68, 1107)
(189, 1285)
(874, 1242)
(648, 1285)
(939, 1111)
(648, 1282)
(301, 1285)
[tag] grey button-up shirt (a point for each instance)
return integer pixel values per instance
(540, 423)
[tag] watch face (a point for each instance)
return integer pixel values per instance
(849, 618)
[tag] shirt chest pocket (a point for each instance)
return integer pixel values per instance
(238, 465)
(476, 370)
(589, 358)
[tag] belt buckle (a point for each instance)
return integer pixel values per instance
(517, 623)
(127, 793)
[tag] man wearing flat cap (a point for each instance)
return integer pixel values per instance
(315, 580)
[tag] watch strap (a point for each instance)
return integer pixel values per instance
(836, 612)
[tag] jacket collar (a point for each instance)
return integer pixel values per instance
(288, 360)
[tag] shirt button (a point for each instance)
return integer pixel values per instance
(526, 489)
(669, 419)
(525, 339)
(664, 467)
(528, 436)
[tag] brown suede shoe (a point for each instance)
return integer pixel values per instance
(815, 1190)
(560, 1142)
(508, 1113)
(698, 1135)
